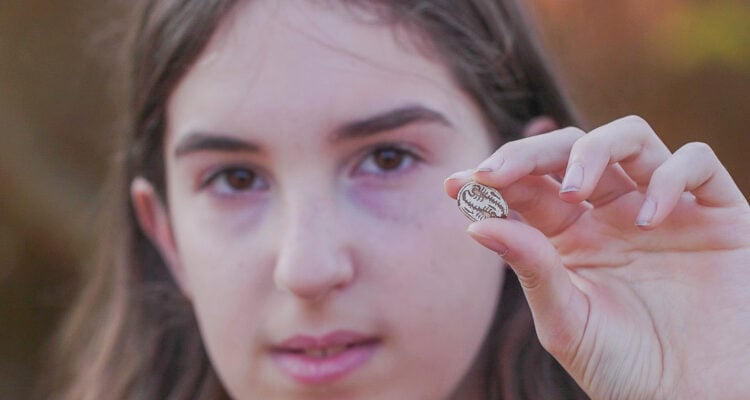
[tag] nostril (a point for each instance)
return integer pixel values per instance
(310, 278)
(313, 254)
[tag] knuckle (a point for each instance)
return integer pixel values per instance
(698, 148)
(588, 142)
(574, 132)
(574, 136)
(510, 148)
(639, 125)
(662, 174)
(529, 280)
(635, 120)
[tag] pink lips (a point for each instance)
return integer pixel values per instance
(317, 360)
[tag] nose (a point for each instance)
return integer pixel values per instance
(314, 256)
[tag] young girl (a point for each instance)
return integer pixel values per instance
(281, 228)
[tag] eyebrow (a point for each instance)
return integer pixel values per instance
(389, 120)
(204, 141)
(386, 121)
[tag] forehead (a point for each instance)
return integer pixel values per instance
(299, 55)
(303, 30)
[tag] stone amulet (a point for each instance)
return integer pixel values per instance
(480, 202)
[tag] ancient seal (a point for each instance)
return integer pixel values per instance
(479, 202)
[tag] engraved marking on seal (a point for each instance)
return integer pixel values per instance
(480, 202)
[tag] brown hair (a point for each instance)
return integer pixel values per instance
(132, 335)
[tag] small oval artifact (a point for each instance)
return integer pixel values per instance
(479, 202)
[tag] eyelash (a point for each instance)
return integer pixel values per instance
(218, 181)
(407, 159)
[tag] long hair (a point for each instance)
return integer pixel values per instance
(132, 335)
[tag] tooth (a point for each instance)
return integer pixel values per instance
(325, 351)
(335, 350)
(314, 352)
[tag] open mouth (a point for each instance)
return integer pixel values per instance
(310, 360)
(324, 351)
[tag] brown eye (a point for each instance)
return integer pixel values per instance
(239, 179)
(234, 180)
(388, 159)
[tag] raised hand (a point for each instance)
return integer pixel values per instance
(636, 266)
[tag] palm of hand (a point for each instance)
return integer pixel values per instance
(663, 308)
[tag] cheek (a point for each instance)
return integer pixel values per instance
(437, 287)
(441, 274)
(228, 289)
(413, 242)
(429, 255)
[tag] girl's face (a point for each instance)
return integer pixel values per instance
(307, 222)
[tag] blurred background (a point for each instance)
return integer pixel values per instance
(684, 65)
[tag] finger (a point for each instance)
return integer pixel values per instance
(535, 198)
(559, 309)
(455, 182)
(536, 155)
(547, 154)
(612, 184)
(629, 141)
(693, 168)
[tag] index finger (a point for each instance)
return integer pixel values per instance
(535, 198)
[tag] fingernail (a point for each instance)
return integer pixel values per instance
(488, 242)
(465, 174)
(646, 215)
(489, 165)
(573, 178)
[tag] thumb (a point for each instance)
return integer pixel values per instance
(558, 307)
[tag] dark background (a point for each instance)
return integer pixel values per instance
(684, 65)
